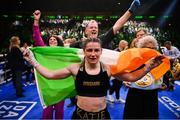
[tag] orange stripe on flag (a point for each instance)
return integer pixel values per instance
(131, 59)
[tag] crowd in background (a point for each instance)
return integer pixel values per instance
(71, 31)
(71, 28)
(95, 80)
(75, 30)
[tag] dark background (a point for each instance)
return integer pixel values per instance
(150, 7)
(25, 8)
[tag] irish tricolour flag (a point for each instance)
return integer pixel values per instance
(53, 91)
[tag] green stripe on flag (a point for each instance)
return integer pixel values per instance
(53, 91)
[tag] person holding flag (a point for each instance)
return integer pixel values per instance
(53, 41)
(92, 78)
(145, 90)
(92, 31)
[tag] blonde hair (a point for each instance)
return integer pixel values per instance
(142, 29)
(91, 21)
(123, 42)
(133, 43)
(142, 42)
(14, 41)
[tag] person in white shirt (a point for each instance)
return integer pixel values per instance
(171, 51)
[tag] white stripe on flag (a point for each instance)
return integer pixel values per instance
(109, 57)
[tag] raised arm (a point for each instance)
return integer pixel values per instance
(36, 31)
(123, 19)
(110, 34)
(142, 71)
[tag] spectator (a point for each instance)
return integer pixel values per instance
(173, 53)
(16, 64)
(139, 33)
(142, 97)
(28, 68)
(52, 41)
(92, 29)
(123, 45)
(116, 84)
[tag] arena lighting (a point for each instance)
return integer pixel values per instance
(114, 17)
(51, 17)
(76, 17)
(167, 12)
(65, 17)
(139, 17)
(152, 17)
(19, 16)
(88, 17)
(99, 17)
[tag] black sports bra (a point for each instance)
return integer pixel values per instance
(92, 85)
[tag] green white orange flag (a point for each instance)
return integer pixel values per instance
(53, 91)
